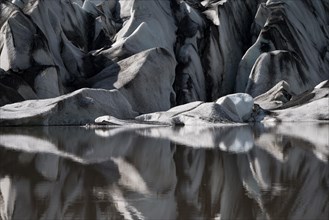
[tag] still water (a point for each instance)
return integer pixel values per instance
(248, 172)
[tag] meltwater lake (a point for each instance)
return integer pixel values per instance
(246, 172)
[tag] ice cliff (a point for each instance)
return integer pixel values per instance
(77, 60)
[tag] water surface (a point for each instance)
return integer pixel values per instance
(248, 172)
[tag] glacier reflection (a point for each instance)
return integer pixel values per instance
(245, 172)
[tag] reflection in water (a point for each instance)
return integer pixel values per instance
(165, 173)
